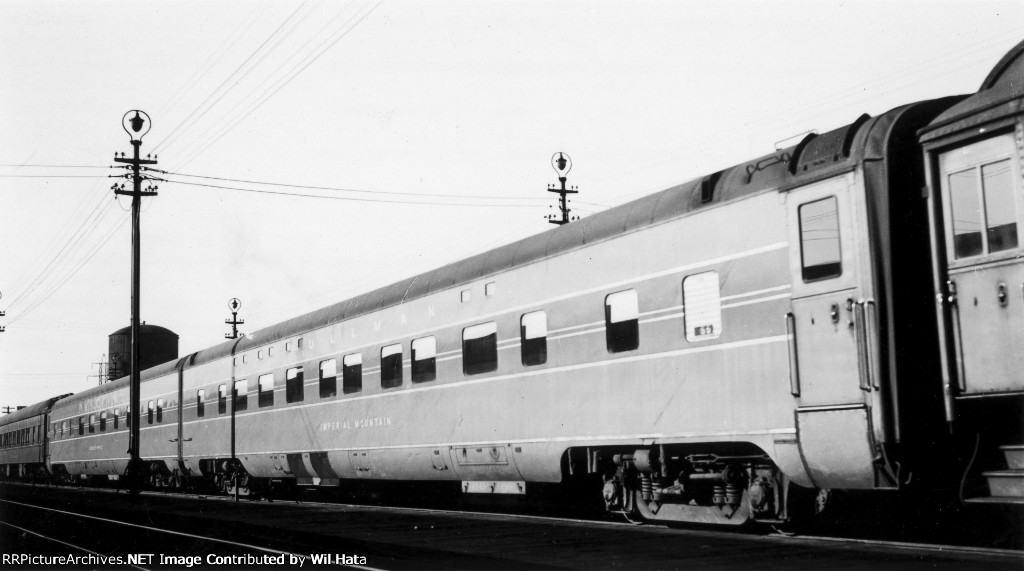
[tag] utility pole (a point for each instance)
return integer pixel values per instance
(2, 314)
(562, 165)
(234, 305)
(101, 370)
(114, 367)
(136, 127)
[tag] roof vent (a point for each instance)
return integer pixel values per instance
(764, 163)
(834, 146)
(707, 187)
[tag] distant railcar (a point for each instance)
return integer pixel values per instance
(810, 319)
(24, 448)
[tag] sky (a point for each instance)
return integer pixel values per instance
(426, 127)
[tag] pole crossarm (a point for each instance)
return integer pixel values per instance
(134, 161)
(132, 193)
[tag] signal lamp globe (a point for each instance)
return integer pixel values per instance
(562, 164)
(136, 123)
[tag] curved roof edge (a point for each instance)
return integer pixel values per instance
(158, 370)
(31, 410)
(1000, 95)
(1002, 66)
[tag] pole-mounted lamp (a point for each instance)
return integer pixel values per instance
(562, 165)
(136, 126)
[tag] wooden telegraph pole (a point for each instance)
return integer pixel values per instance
(136, 127)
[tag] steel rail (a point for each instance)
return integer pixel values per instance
(777, 537)
(55, 540)
(169, 531)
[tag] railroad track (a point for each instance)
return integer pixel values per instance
(464, 530)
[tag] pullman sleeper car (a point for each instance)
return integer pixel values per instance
(811, 319)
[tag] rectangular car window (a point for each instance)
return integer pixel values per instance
(391, 366)
(328, 378)
(241, 394)
(480, 348)
(265, 390)
(533, 333)
(293, 385)
(424, 359)
(622, 321)
(352, 373)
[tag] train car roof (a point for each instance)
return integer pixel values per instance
(814, 157)
(93, 392)
(1001, 95)
(150, 373)
(30, 411)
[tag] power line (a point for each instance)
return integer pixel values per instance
(67, 277)
(349, 198)
(57, 237)
(282, 84)
(258, 91)
(215, 56)
(188, 120)
(328, 188)
(55, 166)
(289, 29)
(39, 374)
(67, 262)
(52, 176)
(311, 187)
(74, 241)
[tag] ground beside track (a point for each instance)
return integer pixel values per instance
(390, 538)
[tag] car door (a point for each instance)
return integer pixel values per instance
(833, 333)
(983, 206)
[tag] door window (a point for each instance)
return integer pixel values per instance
(820, 252)
(979, 182)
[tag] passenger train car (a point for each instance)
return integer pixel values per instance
(24, 440)
(846, 313)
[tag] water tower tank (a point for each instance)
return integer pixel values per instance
(156, 345)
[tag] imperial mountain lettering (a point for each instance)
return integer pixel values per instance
(368, 422)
